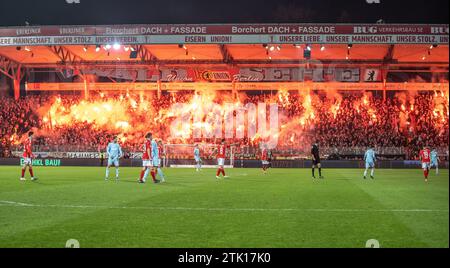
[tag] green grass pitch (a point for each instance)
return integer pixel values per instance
(283, 209)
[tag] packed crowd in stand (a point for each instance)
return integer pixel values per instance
(16, 118)
(341, 122)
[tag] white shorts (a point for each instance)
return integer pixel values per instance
(114, 162)
(221, 161)
(27, 161)
(370, 165)
(425, 166)
(265, 162)
(147, 163)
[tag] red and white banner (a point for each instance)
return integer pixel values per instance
(128, 74)
(229, 39)
(257, 74)
(244, 74)
(226, 34)
(227, 29)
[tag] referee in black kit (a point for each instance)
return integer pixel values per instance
(316, 160)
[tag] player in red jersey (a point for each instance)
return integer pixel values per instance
(265, 159)
(426, 161)
(147, 164)
(28, 157)
(221, 152)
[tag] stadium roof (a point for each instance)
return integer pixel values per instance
(226, 51)
(268, 44)
(249, 54)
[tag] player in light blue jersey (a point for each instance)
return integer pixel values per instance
(370, 159)
(160, 154)
(156, 161)
(198, 159)
(114, 152)
(435, 160)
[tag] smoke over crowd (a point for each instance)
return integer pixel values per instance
(402, 123)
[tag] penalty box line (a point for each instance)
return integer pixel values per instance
(19, 204)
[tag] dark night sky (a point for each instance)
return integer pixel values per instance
(55, 12)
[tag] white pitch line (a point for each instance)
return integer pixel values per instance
(18, 204)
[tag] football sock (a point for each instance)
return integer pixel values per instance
(23, 172)
(153, 175)
(160, 173)
(107, 173)
(372, 172)
(365, 173)
(223, 172)
(147, 172)
(117, 172)
(218, 172)
(142, 174)
(313, 172)
(320, 172)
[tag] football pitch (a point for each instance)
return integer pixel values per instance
(284, 209)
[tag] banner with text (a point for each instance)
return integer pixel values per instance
(226, 34)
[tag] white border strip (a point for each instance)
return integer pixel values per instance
(19, 204)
